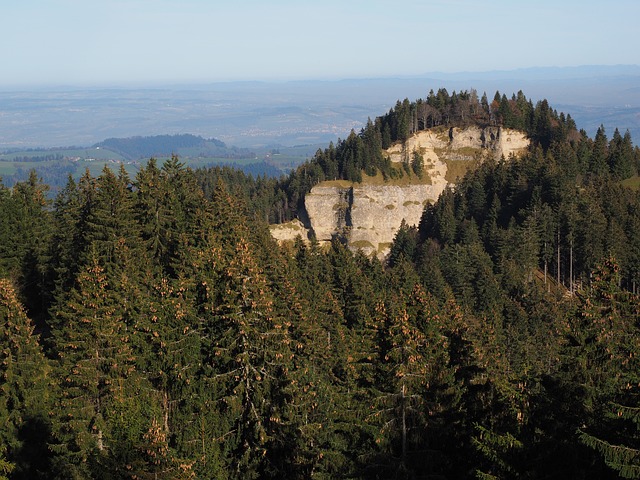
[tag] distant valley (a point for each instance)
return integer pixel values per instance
(288, 119)
(55, 164)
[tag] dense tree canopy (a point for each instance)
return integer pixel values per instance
(150, 327)
(361, 153)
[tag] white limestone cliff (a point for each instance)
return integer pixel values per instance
(367, 216)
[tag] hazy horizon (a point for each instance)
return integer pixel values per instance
(294, 71)
(251, 114)
(542, 72)
(135, 42)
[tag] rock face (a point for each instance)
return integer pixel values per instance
(462, 144)
(288, 231)
(329, 211)
(368, 216)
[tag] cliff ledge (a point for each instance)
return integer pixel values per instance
(367, 215)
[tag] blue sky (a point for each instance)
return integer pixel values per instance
(102, 42)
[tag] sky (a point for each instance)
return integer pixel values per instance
(127, 42)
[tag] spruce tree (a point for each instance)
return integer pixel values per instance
(602, 356)
(326, 366)
(599, 154)
(624, 458)
(110, 223)
(96, 373)
(416, 385)
(31, 231)
(25, 392)
(250, 360)
(67, 243)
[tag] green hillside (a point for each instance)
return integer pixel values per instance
(150, 327)
(55, 164)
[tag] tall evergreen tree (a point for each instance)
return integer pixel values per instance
(602, 368)
(415, 381)
(598, 161)
(624, 458)
(96, 375)
(250, 358)
(25, 392)
(31, 230)
(620, 157)
(110, 223)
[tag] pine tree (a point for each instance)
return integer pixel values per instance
(180, 291)
(69, 248)
(157, 461)
(620, 157)
(110, 223)
(168, 345)
(250, 359)
(415, 379)
(404, 244)
(96, 371)
(67, 243)
(623, 458)
(31, 231)
(24, 392)
(602, 356)
(152, 213)
(5, 229)
(327, 367)
(598, 161)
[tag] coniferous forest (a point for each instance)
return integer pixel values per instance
(151, 328)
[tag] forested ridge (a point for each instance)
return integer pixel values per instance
(134, 148)
(151, 328)
(362, 154)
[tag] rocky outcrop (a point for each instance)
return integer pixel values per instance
(495, 141)
(368, 216)
(329, 211)
(462, 144)
(284, 232)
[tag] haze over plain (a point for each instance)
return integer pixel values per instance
(149, 53)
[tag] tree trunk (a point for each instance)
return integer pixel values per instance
(571, 266)
(165, 411)
(404, 428)
(558, 261)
